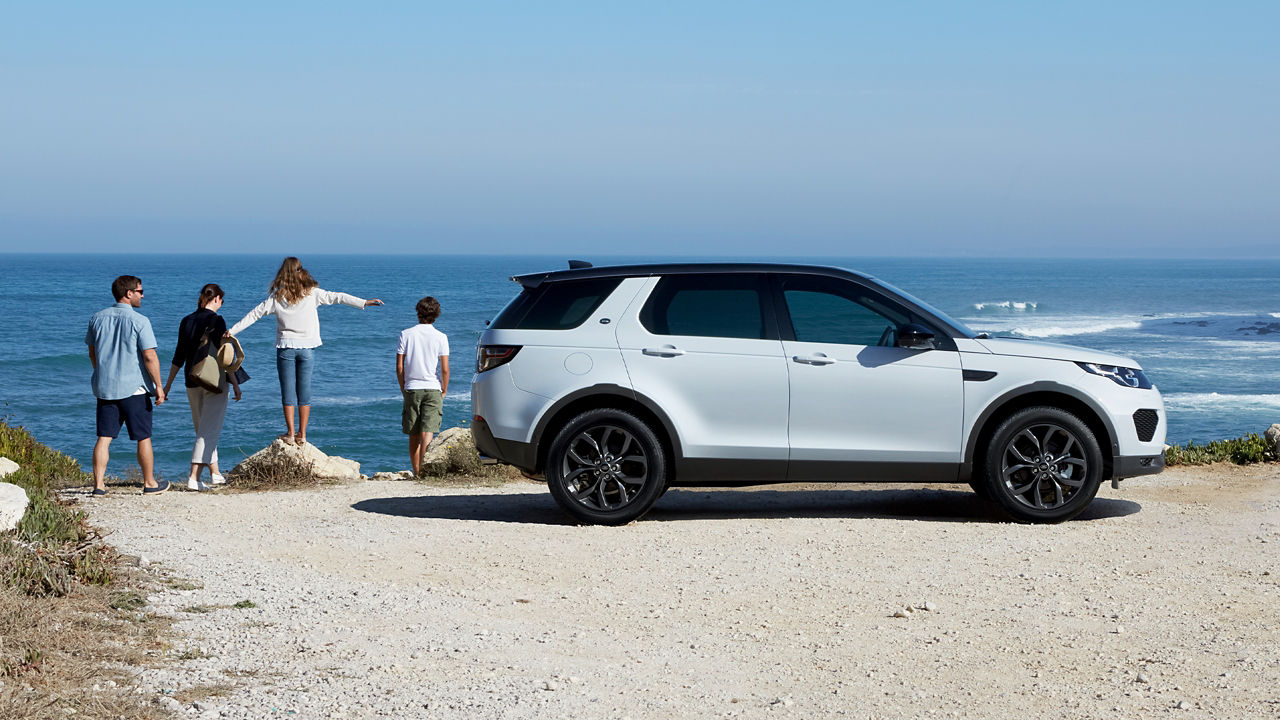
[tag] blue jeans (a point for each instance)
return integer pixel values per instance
(294, 367)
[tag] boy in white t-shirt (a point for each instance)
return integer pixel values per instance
(422, 366)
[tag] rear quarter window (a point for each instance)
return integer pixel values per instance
(555, 305)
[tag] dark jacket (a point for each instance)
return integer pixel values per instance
(193, 329)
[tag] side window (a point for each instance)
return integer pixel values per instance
(729, 306)
(556, 305)
(839, 313)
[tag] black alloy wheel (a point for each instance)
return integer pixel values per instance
(606, 467)
(1043, 465)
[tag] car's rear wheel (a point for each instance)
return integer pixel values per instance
(1043, 465)
(606, 467)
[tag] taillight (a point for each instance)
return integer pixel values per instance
(489, 357)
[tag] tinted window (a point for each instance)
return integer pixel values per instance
(555, 305)
(827, 318)
(728, 306)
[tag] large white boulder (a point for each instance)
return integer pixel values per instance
(324, 467)
(13, 505)
(8, 467)
(451, 450)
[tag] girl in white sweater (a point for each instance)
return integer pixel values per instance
(294, 299)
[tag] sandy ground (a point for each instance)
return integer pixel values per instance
(401, 600)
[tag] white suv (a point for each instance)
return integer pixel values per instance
(619, 382)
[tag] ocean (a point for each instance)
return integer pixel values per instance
(1206, 331)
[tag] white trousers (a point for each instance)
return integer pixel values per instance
(208, 410)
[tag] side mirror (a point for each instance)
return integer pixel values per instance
(915, 337)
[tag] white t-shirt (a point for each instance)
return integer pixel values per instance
(422, 347)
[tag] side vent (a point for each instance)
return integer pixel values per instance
(1145, 423)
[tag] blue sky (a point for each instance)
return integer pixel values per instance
(741, 128)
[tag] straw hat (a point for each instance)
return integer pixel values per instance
(230, 355)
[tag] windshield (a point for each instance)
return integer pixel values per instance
(956, 325)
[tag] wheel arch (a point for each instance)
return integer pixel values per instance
(1048, 394)
(604, 396)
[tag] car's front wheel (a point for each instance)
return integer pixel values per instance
(1043, 465)
(606, 467)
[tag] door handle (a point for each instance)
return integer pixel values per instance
(818, 359)
(664, 351)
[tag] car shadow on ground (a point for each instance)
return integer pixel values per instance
(684, 504)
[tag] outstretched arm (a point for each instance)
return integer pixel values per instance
(263, 308)
(329, 297)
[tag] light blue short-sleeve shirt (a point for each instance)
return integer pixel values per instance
(118, 336)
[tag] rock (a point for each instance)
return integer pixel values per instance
(324, 467)
(9, 467)
(401, 475)
(1142, 678)
(930, 607)
(13, 505)
(451, 451)
(1273, 439)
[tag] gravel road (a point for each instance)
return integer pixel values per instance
(395, 599)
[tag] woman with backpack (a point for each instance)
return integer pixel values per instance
(200, 336)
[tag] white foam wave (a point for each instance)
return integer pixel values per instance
(354, 400)
(1020, 306)
(1274, 315)
(1089, 327)
(340, 400)
(1222, 401)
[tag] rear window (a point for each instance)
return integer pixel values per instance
(555, 305)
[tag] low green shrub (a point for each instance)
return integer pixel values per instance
(53, 543)
(1251, 448)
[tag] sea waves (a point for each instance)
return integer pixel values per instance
(1212, 401)
(1014, 305)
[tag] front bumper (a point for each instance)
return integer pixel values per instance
(1134, 465)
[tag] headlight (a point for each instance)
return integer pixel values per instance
(1128, 377)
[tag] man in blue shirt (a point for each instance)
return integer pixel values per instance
(126, 372)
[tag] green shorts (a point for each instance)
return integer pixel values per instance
(422, 411)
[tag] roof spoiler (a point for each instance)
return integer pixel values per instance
(579, 264)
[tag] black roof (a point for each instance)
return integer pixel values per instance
(533, 280)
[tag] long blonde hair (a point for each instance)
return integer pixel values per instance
(292, 282)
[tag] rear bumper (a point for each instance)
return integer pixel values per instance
(521, 455)
(1134, 465)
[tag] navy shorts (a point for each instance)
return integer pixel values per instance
(134, 411)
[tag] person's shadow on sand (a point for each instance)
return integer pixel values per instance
(683, 504)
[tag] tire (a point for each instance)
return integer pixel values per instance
(979, 486)
(606, 467)
(1043, 465)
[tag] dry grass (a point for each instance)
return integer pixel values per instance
(282, 473)
(70, 620)
(59, 654)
